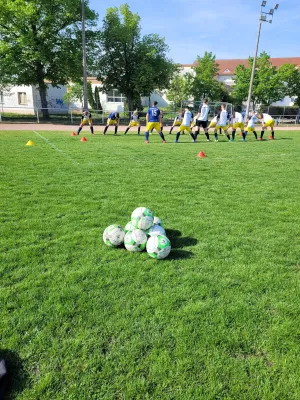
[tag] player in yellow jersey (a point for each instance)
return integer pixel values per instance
(135, 121)
(267, 122)
(177, 121)
(86, 118)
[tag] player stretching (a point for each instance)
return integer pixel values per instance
(267, 122)
(177, 122)
(154, 121)
(202, 120)
(238, 123)
(161, 124)
(251, 124)
(113, 119)
(86, 118)
(135, 121)
(222, 118)
(186, 124)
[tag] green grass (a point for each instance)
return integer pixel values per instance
(219, 319)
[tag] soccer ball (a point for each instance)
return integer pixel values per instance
(156, 230)
(158, 247)
(129, 227)
(113, 235)
(142, 218)
(158, 221)
(135, 240)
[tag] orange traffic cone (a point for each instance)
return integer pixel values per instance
(83, 139)
(201, 155)
(271, 138)
(73, 134)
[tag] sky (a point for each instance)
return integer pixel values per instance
(228, 29)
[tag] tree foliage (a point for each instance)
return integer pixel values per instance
(290, 75)
(40, 40)
(180, 88)
(126, 61)
(205, 84)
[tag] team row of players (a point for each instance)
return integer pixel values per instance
(186, 121)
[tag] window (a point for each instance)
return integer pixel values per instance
(22, 98)
(114, 96)
(227, 70)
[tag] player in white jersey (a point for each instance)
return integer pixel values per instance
(187, 118)
(202, 119)
(135, 121)
(251, 124)
(267, 122)
(177, 122)
(222, 118)
(238, 123)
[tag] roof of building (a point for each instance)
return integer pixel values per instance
(227, 67)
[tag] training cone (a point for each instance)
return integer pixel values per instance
(73, 134)
(201, 155)
(271, 138)
(30, 143)
(83, 139)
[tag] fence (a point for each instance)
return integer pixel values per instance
(73, 116)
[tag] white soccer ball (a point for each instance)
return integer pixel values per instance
(158, 246)
(129, 227)
(135, 240)
(158, 221)
(156, 230)
(142, 218)
(113, 235)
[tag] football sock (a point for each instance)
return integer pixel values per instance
(193, 136)
(147, 136)
(79, 130)
(216, 136)
(177, 136)
(92, 129)
(171, 130)
(161, 135)
(116, 130)
(127, 129)
(207, 135)
(228, 136)
(233, 134)
(105, 130)
(244, 135)
(255, 134)
(262, 134)
(273, 134)
(139, 130)
(196, 134)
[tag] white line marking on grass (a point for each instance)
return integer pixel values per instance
(57, 149)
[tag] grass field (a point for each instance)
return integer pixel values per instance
(218, 319)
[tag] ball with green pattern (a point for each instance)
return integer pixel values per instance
(113, 236)
(129, 227)
(142, 218)
(158, 246)
(135, 240)
(158, 221)
(156, 230)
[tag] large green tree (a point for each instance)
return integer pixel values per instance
(136, 65)
(290, 75)
(268, 85)
(205, 84)
(180, 88)
(40, 41)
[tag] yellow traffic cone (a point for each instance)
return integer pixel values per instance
(30, 143)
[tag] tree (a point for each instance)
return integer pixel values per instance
(205, 84)
(268, 86)
(40, 40)
(74, 93)
(91, 98)
(180, 88)
(97, 99)
(290, 75)
(225, 94)
(133, 64)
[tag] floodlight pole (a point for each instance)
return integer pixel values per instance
(262, 18)
(85, 95)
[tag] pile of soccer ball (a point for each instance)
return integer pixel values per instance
(144, 231)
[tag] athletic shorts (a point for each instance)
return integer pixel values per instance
(221, 127)
(177, 123)
(229, 126)
(112, 121)
(240, 125)
(86, 121)
(270, 123)
(204, 124)
(134, 123)
(212, 125)
(185, 128)
(249, 129)
(153, 125)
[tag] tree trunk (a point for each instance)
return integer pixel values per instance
(44, 102)
(129, 102)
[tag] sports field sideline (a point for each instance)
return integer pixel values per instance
(218, 319)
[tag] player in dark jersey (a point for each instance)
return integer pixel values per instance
(154, 121)
(86, 118)
(113, 119)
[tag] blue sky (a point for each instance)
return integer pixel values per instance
(227, 28)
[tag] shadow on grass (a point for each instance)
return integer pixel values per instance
(178, 242)
(15, 379)
(179, 255)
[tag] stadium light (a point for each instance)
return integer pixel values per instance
(85, 95)
(262, 18)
